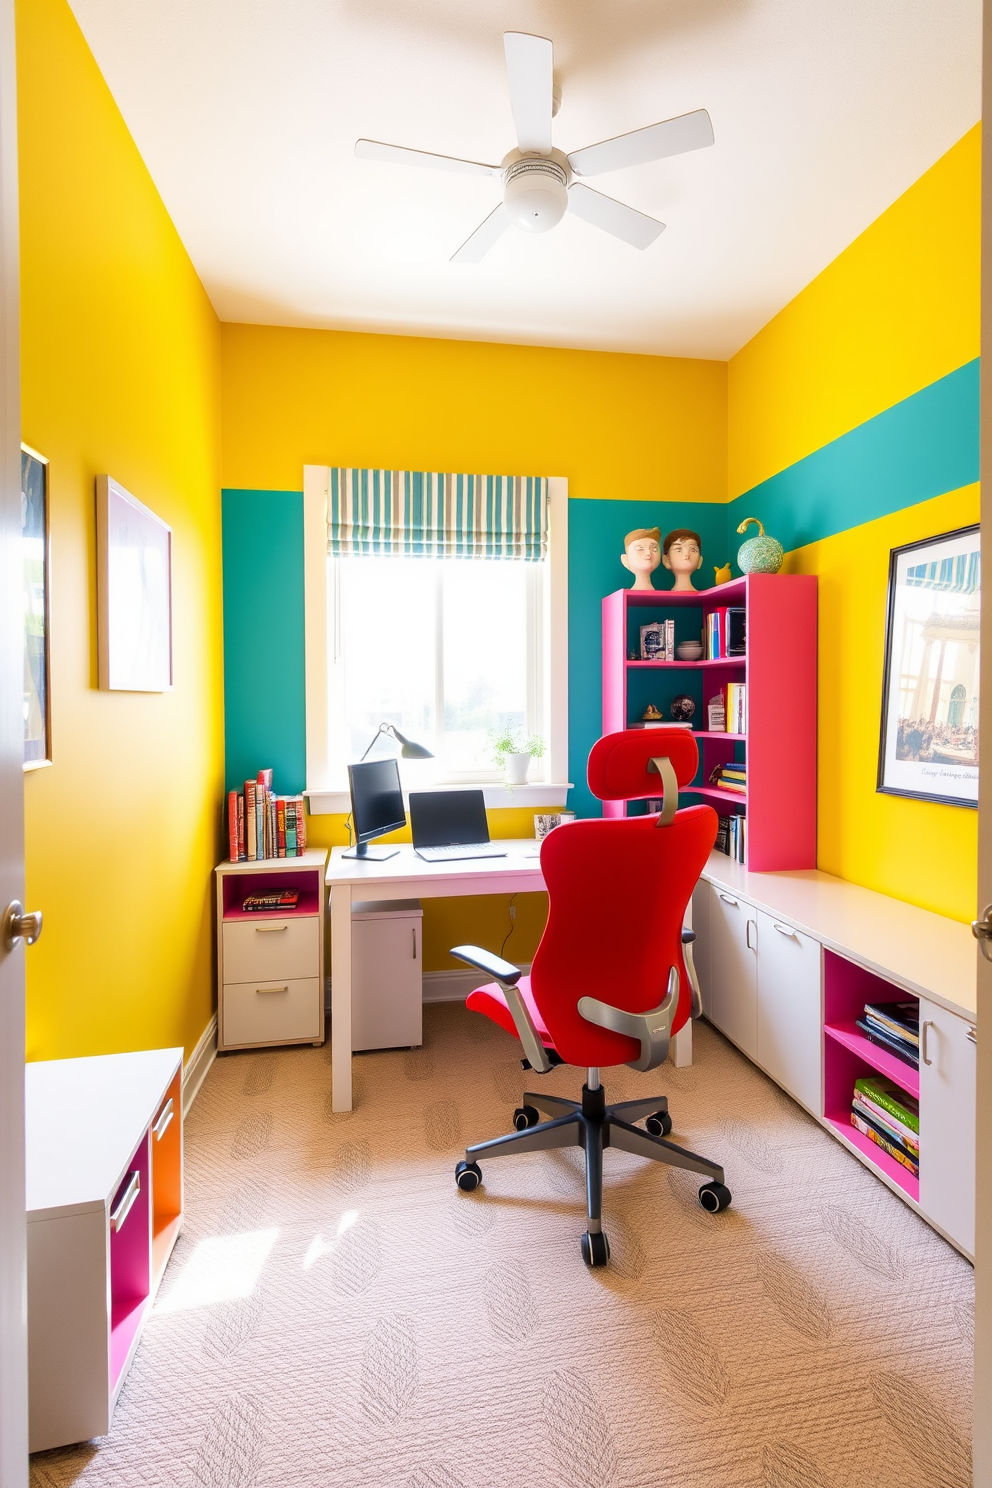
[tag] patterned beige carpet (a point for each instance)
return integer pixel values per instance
(338, 1315)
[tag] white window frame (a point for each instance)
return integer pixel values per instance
(326, 794)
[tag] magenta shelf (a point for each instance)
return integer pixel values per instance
(308, 904)
(721, 661)
(716, 734)
(879, 1058)
(717, 795)
(721, 594)
(901, 1176)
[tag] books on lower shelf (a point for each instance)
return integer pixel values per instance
(889, 1117)
(895, 1027)
(727, 709)
(731, 837)
(263, 825)
(730, 776)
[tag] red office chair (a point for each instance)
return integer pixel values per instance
(612, 979)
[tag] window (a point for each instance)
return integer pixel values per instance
(446, 649)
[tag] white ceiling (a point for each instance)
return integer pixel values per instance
(246, 112)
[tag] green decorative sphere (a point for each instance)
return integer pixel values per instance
(761, 554)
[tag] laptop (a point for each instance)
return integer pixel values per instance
(448, 825)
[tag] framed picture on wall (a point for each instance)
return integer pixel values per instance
(929, 740)
(35, 548)
(134, 592)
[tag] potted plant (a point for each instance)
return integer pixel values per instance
(513, 753)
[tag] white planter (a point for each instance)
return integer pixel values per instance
(516, 767)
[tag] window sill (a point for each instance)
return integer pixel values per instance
(533, 794)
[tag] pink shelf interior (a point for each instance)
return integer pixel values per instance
(237, 887)
(130, 1269)
(733, 593)
(879, 1059)
(720, 661)
(729, 797)
(901, 1176)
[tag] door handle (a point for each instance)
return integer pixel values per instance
(747, 935)
(981, 929)
(785, 930)
(120, 1214)
(927, 1023)
(729, 899)
(972, 1035)
(264, 991)
(413, 936)
(164, 1117)
(20, 926)
(269, 929)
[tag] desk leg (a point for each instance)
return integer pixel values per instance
(681, 1047)
(341, 997)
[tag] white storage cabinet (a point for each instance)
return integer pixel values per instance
(947, 1122)
(387, 998)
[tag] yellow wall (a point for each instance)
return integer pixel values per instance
(616, 426)
(120, 369)
(895, 311)
(915, 850)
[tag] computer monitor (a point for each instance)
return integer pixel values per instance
(376, 806)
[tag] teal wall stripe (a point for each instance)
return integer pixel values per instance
(264, 687)
(917, 449)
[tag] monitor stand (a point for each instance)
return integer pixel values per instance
(371, 854)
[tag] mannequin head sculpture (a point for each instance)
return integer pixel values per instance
(682, 553)
(642, 555)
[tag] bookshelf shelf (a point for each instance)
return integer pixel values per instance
(779, 671)
(879, 1059)
(873, 1155)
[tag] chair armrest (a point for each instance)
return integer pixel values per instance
(494, 966)
(696, 996)
(506, 976)
(652, 1030)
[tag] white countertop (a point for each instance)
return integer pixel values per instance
(927, 954)
(84, 1118)
(457, 876)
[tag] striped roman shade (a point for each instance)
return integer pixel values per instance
(417, 513)
(961, 574)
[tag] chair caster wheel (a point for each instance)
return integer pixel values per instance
(660, 1124)
(468, 1176)
(595, 1249)
(714, 1197)
(525, 1116)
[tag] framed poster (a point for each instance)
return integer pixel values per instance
(929, 741)
(36, 557)
(134, 592)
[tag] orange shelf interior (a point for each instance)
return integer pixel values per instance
(167, 1181)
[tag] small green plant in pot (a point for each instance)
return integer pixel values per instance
(513, 753)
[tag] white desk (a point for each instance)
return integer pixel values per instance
(405, 876)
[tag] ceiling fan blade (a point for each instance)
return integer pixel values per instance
(633, 227)
(399, 155)
(475, 248)
(672, 137)
(530, 72)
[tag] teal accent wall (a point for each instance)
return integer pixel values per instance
(917, 449)
(264, 683)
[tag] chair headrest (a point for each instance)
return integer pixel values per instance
(619, 764)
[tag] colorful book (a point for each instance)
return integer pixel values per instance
(736, 631)
(278, 899)
(301, 825)
(892, 1045)
(242, 848)
(899, 1018)
(280, 827)
(888, 1125)
(251, 825)
(897, 1102)
(232, 824)
(881, 1140)
(291, 828)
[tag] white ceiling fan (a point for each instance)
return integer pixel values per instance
(539, 183)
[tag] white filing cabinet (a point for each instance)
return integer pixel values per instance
(270, 965)
(387, 996)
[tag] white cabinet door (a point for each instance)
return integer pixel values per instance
(387, 996)
(729, 1000)
(789, 1022)
(947, 1122)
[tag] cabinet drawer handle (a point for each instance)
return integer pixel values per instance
(972, 1035)
(750, 925)
(413, 934)
(728, 899)
(263, 991)
(927, 1023)
(269, 929)
(785, 930)
(120, 1214)
(164, 1117)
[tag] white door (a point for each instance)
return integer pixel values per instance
(13, 1286)
(947, 1122)
(789, 1020)
(729, 1002)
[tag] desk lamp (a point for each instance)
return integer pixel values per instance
(376, 796)
(409, 749)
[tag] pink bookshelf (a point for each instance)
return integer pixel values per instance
(780, 672)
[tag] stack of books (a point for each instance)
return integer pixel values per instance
(731, 837)
(730, 777)
(727, 709)
(725, 633)
(894, 1026)
(262, 825)
(716, 714)
(890, 1118)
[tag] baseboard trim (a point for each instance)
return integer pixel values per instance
(442, 986)
(199, 1063)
